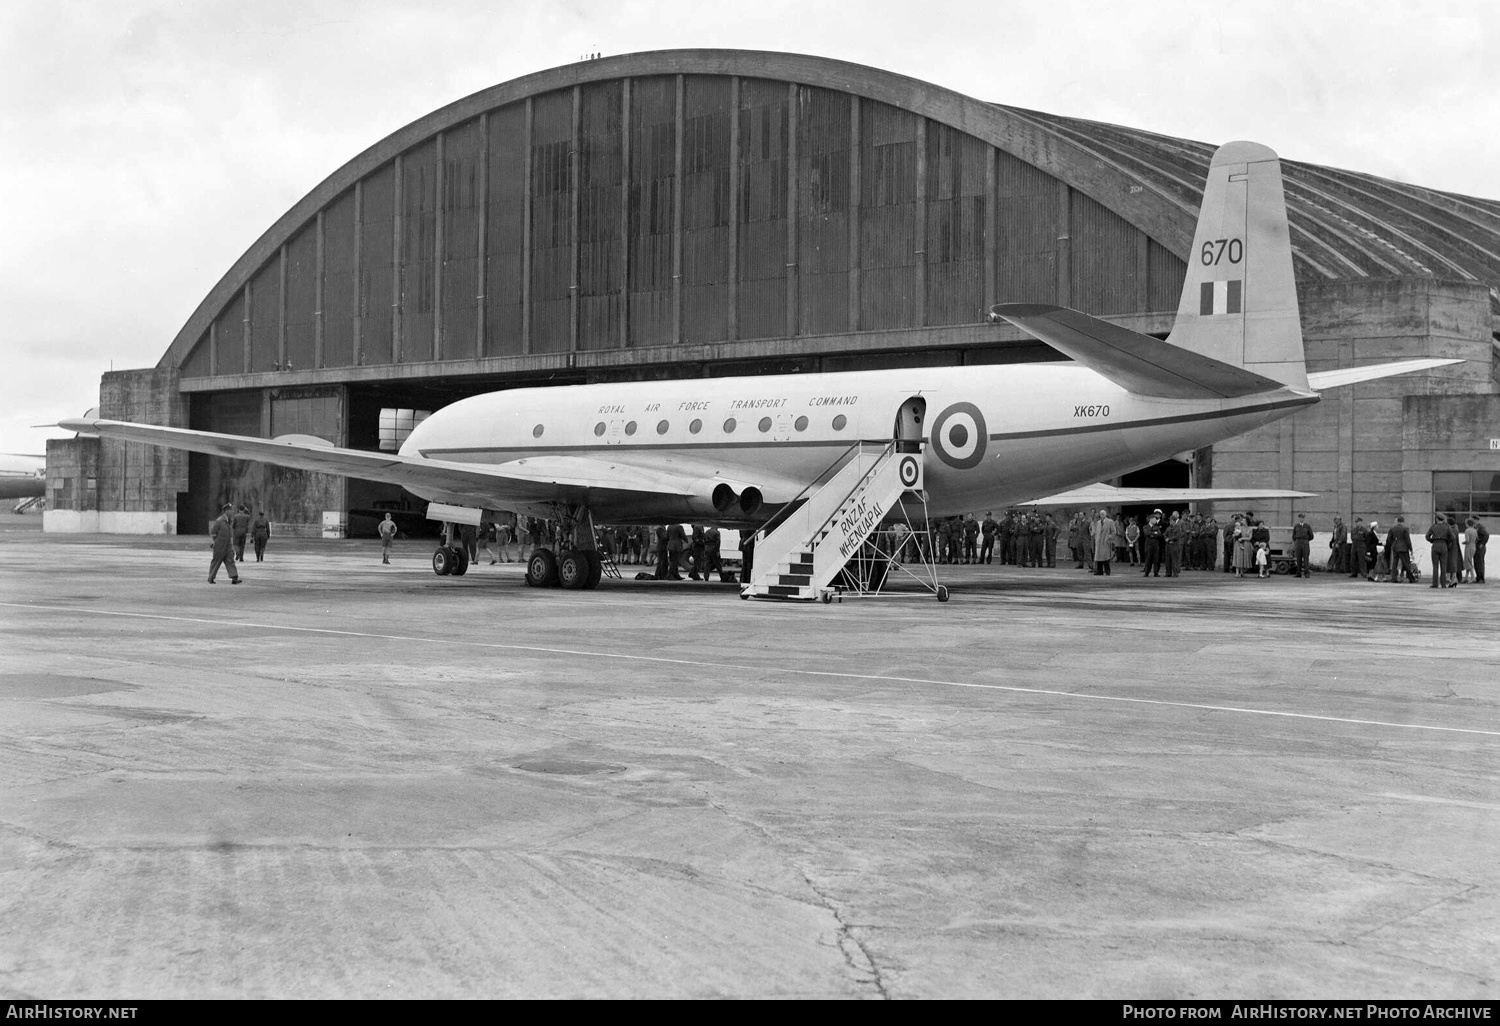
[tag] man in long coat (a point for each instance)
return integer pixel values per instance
(220, 534)
(1104, 543)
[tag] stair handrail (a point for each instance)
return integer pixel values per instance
(889, 447)
(790, 507)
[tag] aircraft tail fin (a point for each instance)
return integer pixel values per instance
(1239, 302)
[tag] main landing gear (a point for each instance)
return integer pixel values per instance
(450, 559)
(574, 569)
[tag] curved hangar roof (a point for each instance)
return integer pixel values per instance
(873, 203)
(1345, 224)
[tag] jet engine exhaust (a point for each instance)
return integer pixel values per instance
(750, 500)
(723, 497)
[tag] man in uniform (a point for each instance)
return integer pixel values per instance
(971, 540)
(1398, 552)
(220, 534)
(1050, 531)
(1176, 535)
(1152, 537)
(1358, 546)
(712, 563)
(260, 533)
(1302, 534)
(1440, 535)
(241, 528)
(987, 531)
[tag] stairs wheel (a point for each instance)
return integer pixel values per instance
(942, 593)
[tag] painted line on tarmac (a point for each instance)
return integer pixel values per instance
(546, 650)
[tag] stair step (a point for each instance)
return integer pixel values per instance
(795, 580)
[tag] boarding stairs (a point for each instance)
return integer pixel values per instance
(37, 502)
(798, 554)
(607, 565)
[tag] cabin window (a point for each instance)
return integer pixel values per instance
(729, 426)
(695, 426)
(661, 428)
(801, 424)
(839, 422)
(765, 424)
(630, 428)
(536, 432)
(599, 429)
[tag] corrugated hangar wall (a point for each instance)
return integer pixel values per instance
(647, 211)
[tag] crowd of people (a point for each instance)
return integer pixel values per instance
(1093, 540)
(1458, 546)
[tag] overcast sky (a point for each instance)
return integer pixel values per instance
(145, 144)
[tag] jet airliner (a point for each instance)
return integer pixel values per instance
(22, 477)
(734, 450)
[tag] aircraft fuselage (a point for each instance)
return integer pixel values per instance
(996, 435)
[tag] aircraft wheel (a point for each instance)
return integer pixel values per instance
(572, 569)
(541, 569)
(942, 593)
(596, 569)
(460, 561)
(442, 561)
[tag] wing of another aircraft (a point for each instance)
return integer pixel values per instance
(531, 480)
(1109, 495)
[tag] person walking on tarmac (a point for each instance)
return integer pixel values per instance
(696, 547)
(260, 533)
(220, 534)
(1302, 544)
(241, 526)
(387, 535)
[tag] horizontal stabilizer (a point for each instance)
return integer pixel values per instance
(1108, 495)
(1319, 380)
(1138, 363)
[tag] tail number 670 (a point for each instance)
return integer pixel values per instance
(1216, 250)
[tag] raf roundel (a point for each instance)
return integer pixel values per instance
(911, 472)
(958, 436)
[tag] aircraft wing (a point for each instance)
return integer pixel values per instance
(1109, 495)
(1321, 380)
(1140, 363)
(536, 479)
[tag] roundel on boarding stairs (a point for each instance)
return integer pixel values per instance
(911, 472)
(959, 436)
